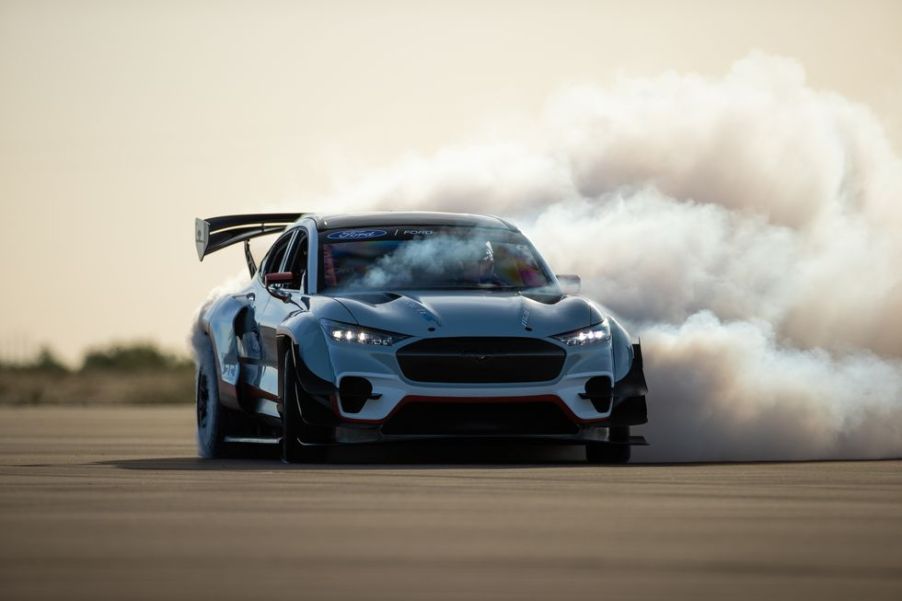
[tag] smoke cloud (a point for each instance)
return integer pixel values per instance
(197, 338)
(435, 258)
(479, 258)
(747, 228)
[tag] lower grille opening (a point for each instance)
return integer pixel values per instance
(482, 418)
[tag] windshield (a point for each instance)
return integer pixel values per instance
(405, 257)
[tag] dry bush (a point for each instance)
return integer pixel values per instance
(97, 388)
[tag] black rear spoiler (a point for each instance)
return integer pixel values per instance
(215, 233)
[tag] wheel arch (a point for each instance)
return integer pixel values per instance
(316, 403)
(221, 325)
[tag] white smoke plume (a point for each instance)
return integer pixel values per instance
(450, 259)
(748, 228)
(428, 258)
(197, 338)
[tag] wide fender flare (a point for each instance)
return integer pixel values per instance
(221, 324)
(301, 339)
(622, 353)
(303, 332)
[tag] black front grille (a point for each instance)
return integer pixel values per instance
(479, 419)
(481, 360)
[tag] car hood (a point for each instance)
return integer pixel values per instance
(470, 313)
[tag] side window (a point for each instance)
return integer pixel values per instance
(297, 261)
(272, 262)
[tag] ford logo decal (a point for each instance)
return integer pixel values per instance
(356, 235)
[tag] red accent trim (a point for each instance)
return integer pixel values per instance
(540, 398)
(333, 400)
(278, 277)
(254, 391)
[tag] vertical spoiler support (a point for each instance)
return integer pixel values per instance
(249, 258)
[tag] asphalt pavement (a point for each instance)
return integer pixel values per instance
(111, 503)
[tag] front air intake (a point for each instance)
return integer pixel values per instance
(599, 390)
(353, 393)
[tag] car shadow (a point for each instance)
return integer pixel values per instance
(383, 456)
(418, 455)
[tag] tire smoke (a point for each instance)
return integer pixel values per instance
(747, 228)
(197, 338)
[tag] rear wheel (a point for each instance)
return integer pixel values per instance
(211, 418)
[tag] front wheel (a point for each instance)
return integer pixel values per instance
(616, 453)
(608, 454)
(292, 449)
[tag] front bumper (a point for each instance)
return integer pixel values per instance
(596, 435)
(530, 404)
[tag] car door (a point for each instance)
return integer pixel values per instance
(268, 309)
(275, 311)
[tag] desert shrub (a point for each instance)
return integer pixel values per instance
(45, 362)
(118, 374)
(138, 356)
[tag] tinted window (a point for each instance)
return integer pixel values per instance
(297, 262)
(403, 257)
(272, 262)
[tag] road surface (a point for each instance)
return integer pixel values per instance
(112, 504)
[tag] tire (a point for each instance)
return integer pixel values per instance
(617, 453)
(211, 416)
(292, 449)
(608, 454)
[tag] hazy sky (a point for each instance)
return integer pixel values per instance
(121, 121)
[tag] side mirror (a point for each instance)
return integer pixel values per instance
(570, 284)
(271, 280)
(279, 277)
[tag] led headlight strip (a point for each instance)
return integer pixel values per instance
(600, 332)
(345, 332)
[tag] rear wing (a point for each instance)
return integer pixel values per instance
(215, 233)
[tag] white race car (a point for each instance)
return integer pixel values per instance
(380, 327)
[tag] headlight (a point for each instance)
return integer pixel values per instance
(600, 332)
(345, 332)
